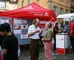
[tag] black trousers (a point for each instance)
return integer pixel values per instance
(34, 49)
(54, 46)
(72, 42)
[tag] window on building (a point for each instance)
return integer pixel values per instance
(22, 3)
(29, 1)
(2, 5)
(55, 9)
(67, 11)
(66, 1)
(62, 0)
(37, 0)
(12, 1)
(61, 10)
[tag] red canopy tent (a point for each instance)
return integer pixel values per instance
(31, 11)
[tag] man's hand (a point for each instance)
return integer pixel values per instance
(4, 52)
(46, 39)
(42, 39)
(33, 32)
(37, 31)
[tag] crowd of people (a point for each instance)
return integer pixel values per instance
(34, 33)
(9, 43)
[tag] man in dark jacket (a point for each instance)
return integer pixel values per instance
(55, 31)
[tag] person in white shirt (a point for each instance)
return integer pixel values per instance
(33, 33)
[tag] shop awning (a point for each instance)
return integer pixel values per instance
(69, 15)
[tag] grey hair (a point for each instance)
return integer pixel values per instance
(49, 24)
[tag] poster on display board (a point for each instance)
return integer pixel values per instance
(20, 28)
(24, 36)
(4, 20)
(17, 21)
(42, 24)
(17, 26)
(24, 26)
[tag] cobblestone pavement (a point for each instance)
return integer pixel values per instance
(25, 55)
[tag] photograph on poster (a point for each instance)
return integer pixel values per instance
(24, 26)
(17, 27)
(24, 36)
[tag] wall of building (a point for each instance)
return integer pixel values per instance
(42, 3)
(64, 3)
(11, 6)
(8, 6)
(20, 3)
(61, 4)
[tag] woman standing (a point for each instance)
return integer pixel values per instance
(47, 39)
